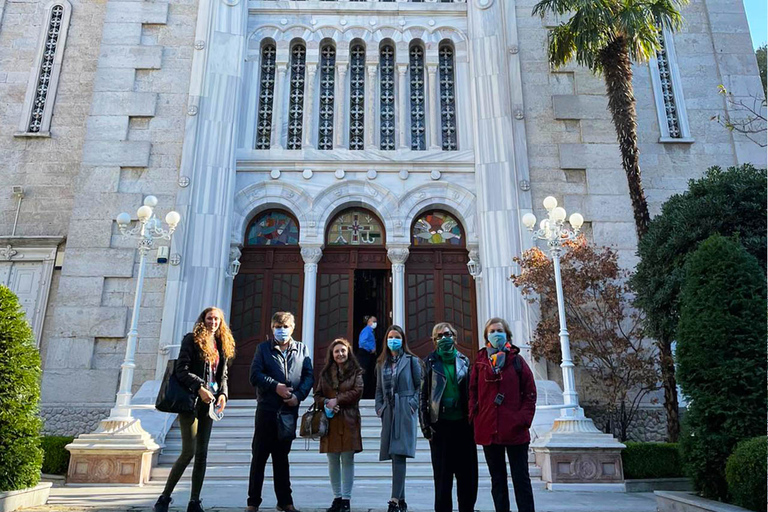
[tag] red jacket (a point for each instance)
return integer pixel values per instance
(509, 422)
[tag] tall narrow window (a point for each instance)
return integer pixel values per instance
(296, 106)
(357, 97)
(387, 83)
(266, 96)
(327, 83)
(668, 91)
(44, 77)
(447, 99)
(418, 130)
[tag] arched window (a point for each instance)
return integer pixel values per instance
(418, 128)
(273, 228)
(355, 226)
(387, 84)
(327, 84)
(296, 104)
(357, 97)
(266, 96)
(447, 98)
(437, 228)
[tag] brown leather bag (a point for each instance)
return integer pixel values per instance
(314, 423)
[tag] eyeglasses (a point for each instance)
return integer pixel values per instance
(445, 334)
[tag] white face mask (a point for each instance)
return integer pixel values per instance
(281, 334)
(373, 325)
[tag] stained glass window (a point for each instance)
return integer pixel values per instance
(356, 227)
(273, 228)
(387, 85)
(357, 97)
(418, 128)
(447, 99)
(296, 108)
(266, 96)
(436, 228)
(327, 84)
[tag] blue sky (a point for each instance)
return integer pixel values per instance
(757, 11)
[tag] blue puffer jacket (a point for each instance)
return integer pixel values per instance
(270, 368)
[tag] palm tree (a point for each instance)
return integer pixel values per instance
(607, 36)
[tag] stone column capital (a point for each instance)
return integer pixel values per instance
(311, 254)
(397, 255)
(432, 68)
(402, 68)
(372, 69)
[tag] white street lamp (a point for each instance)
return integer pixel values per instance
(148, 229)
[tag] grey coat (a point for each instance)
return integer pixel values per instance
(399, 413)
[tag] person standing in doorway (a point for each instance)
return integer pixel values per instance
(444, 415)
(202, 366)
(502, 403)
(366, 354)
(281, 372)
(338, 393)
(398, 381)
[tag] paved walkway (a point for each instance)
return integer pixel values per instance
(316, 498)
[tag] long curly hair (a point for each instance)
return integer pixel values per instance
(350, 366)
(223, 335)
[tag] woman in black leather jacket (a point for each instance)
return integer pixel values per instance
(202, 366)
(444, 415)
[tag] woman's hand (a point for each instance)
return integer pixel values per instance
(205, 395)
(332, 404)
(221, 403)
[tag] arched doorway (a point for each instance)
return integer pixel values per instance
(353, 280)
(271, 279)
(438, 286)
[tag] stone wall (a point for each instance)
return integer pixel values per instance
(649, 425)
(71, 420)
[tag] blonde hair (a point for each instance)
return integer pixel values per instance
(497, 320)
(202, 334)
(438, 328)
(282, 317)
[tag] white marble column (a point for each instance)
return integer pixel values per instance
(370, 118)
(398, 256)
(311, 255)
(309, 101)
(402, 114)
(433, 96)
(339, 108)
(277, 106)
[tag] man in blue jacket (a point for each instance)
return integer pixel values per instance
(281, 372)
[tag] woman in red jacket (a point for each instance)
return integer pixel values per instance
(502, 402)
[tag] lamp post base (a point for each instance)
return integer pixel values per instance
(119, 451)
(576, 453)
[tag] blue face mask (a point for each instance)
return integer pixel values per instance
(281, 334)
(395, 344)
(497, 339)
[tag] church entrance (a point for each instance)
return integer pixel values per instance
(271, 279)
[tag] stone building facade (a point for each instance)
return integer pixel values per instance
(418, 133)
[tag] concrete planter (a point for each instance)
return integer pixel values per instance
(24, 498)
(658, 484)
(668, 501)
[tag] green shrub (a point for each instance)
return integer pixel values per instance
(55, 456)
(651, 460)
(745, 473)
(20, 452)
(721, 358)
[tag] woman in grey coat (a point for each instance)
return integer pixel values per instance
(398, 381)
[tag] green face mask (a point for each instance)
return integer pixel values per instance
(446, 345)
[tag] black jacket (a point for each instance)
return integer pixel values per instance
(433, 385)
(190, 367)
(269, 368)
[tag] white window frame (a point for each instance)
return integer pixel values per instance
(53, 82)
(677, 89)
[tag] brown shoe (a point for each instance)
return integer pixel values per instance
(251, 508)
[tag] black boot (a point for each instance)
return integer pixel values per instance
(344, 506)
(403, 506)
(195, 506)
(162, 503)
(392, 506)
(334, 506)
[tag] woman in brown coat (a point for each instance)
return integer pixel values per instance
(339, 390)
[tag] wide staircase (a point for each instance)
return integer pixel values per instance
(229, 452)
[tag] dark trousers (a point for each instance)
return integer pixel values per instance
(518, 464)
(454, 453)
(367, 361)
(195, 434)
(265, 443)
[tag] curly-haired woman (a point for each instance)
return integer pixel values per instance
(201, 366)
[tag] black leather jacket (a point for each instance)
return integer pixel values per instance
(433, 386)
(190, 367)
(269, 368)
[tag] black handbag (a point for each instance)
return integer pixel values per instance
(286, 425)
(173, 395)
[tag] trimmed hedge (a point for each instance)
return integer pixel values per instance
(20, 453)
(745, 473)
(55, 456)
(651, 460)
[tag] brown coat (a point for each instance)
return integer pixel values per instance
(344, 428)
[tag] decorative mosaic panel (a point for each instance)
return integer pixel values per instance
(356, 227)
(435, 228)
(273, 228)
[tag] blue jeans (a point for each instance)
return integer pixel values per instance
(341, 469)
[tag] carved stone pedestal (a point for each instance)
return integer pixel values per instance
(575, 455)
(118, 452)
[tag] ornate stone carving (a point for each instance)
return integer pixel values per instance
(8, 252)
(397, 255)
(483, 4)
(311, 254)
